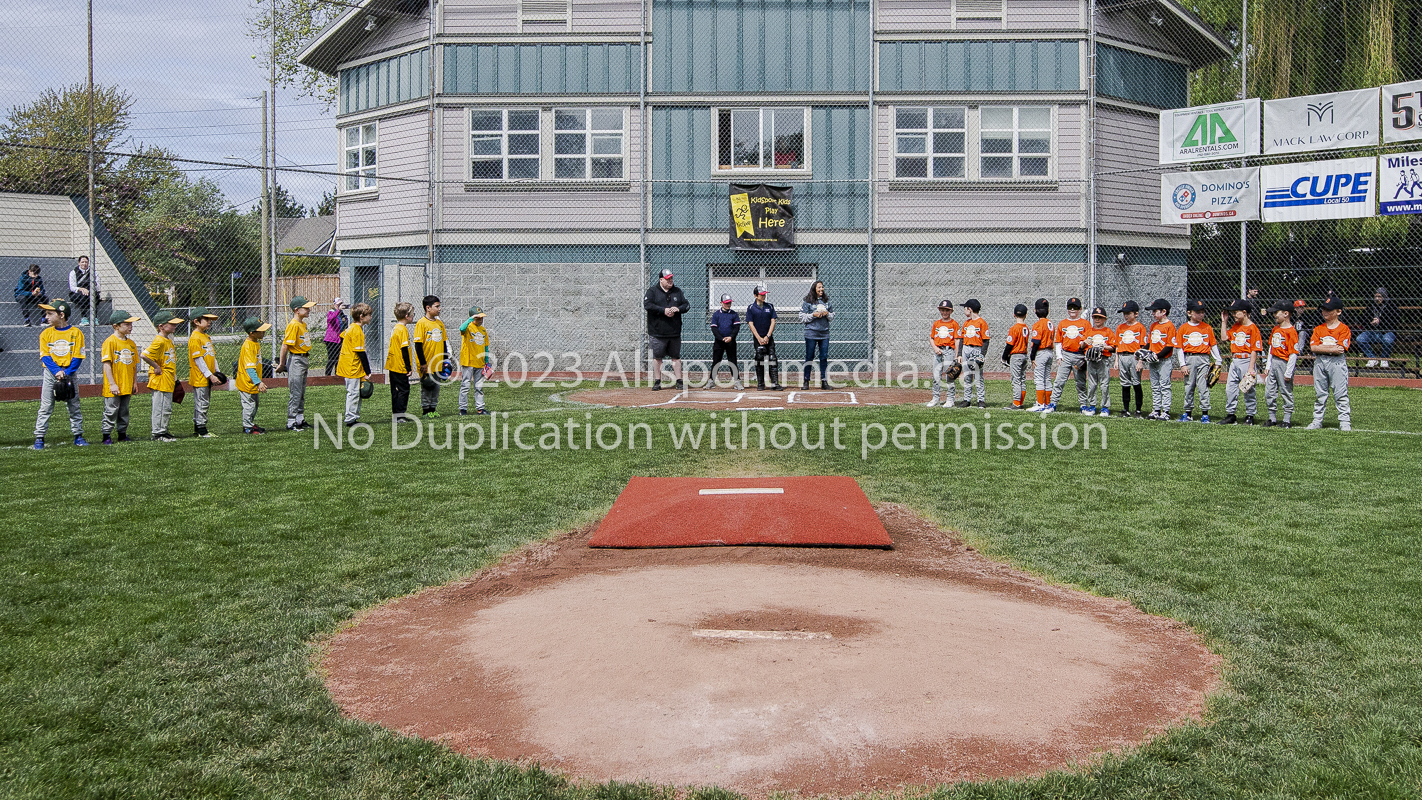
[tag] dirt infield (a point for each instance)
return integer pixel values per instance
(751, 400)
(765, 668)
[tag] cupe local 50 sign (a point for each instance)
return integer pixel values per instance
(1206, 133)
(1320, 190)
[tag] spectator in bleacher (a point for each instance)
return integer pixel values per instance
(29, 293)
(1379, 329)
(336, 323)
(81, 286)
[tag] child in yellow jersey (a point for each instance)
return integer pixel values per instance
(399, 363)
(61, 347)
(474, 361)
(202, 368)
(162, 360)
(249, 373)
(354, 364)
(431, 343)
(294, 359)
(120, 358)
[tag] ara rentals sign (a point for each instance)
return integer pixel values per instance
(1207, 133)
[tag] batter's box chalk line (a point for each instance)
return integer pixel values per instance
(709, 633)
(693, 397)
(799, 397)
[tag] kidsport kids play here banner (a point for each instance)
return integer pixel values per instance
(1226, 195)
(762, 217)
(1320, 190)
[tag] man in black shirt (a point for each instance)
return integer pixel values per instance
(665, 304)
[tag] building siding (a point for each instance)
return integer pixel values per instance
(1129, 201)
(1140, 78)
(980, 66)
(605, 68)
(386, 82)
(1043, 14)
(392, 35)
(484, 17)
(398, 206)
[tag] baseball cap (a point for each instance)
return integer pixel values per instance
(255, 325)
(476, 311)
(760, 289)
(1332, 304)
(1019, 310)
(1130, 306)
(945, 303)
(1195, 305)
(169, 318)
(972, 305)
(299, 302)
(1074, 302)
(200, 312)
(1098, 311)
(336, 301)
(665, 273)
(120, 317)
(1159, 304)
(1241, 304)
(725, 298)
(1042, 306)
(1282, 305)
(62, 306)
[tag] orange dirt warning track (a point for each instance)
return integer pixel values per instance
(699, 512)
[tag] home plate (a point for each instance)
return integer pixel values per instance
(821, 511)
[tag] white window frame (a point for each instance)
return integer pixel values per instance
(590, 137)
(928, 133)
(723, 169)
(504, 156)
(1016, 153)
(367, 176)
(973, 141)
(543, 15)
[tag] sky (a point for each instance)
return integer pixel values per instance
(190, 69)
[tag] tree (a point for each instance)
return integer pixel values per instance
(298, 22)
(44, 145)
(286, 205)
(326, 207)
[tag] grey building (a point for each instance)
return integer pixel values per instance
(544, 158)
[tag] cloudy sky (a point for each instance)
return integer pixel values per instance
(189, 67)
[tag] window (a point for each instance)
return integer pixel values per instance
(543, 15)
(761, 138)
(1015, 143)
(504, 144)
(930, 142)
(358, 161)
(978, 9)
(587, 144)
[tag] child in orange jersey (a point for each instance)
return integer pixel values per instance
(944, 336)
(1330, 371)
(1198, 348)
(1279, 368)
(1245, 343)
(1014, 354)
(1098, 373)
(974, 336)
(1130, 338)
(1160, 355)
(1070, 351)
(1042, 353)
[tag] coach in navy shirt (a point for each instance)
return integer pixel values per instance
(760, 315)
(725, 326)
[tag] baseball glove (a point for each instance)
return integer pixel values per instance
(1148, 356)
(366, 389)
(1095, 353)
(428, 383)
(179, 392)
(954, 370)
(977, 364)
(219, 379)
(63, 389)
(1247, 382)
(1214, 378)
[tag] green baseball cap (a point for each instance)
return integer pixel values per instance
(255, 325)
(476, 311)
(301, 302)
(120, 317)
(169, 318)
(201, 312)
(62, 306)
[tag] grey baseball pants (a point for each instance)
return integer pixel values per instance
(1098, 381)
(973, 374)
(202, 401)
(162, 411)
(249, 409)
(1161, 394)
(115, 414)
(1331, 373)
(1279, 389)
(1065, 369)
(472, 376)
(1238, 368)
(1042, 370)
(1017, 367)
(940, 363)
(76, 416)
(296, 369)
(1197, 378)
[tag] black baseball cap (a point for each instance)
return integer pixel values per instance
(1332, 304)
(1042, 306)
(1282, 305)
(1019, 310)
(1074, 302)
(972, 305)
(948, 304)
(1159, 304)
(1098, 312)
(1241, 304)
(1130, 306)
(1195, 305)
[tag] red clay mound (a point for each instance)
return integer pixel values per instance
(700, 512)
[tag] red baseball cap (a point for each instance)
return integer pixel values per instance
(666, 273)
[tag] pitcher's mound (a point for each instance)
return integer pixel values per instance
(761, 669)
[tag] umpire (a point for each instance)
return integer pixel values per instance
(665, 303)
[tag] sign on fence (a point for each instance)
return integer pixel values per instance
(1400, 177)
(762, 217)
(1205, 133)
(1320, 190)
(1227, 195)
(1402, 112)
(1321, 122)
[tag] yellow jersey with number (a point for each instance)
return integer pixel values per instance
(122, 357)
(352, 345)
(297, 338)
(62, 345)
(161, 349)
(200, 349)
(249, 358)
(475, 343)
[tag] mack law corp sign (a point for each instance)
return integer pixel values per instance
(1321, 122)
(1222, 195)
(1206, 133)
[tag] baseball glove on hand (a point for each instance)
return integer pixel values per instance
(1247, 382)
(1214, 375)
(1095, 353)
(954, 370)
(1149, 356)
(218, 378)
(63, 390)
(179, 392)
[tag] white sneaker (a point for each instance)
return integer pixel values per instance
(1345, 426)
(1384, 365)
(1372, 362)
(931, 403)
(1105, 412)
(1315, 425)
(738, 386)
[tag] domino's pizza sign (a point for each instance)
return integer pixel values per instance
(1222, 195)
(1340, 189)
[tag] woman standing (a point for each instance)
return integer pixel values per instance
(336, 323)
(816, 311)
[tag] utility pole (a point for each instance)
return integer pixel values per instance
(93, 212)
(266, 216)
(1244, 95)
(275, 259)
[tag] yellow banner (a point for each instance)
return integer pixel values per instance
(741, 213)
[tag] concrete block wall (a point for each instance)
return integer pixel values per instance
(1142, 283)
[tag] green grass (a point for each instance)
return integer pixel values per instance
(160, 602)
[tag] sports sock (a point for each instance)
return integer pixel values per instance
(1140, 396)
(1125, 398)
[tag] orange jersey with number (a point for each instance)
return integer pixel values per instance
(1283, 342)
(1324, 335)
(1163, 335)
(973, 332)
(1130, 336)
(1197, 337)
(1044, 334)
(1071, 333)
(944, 333)
(1245, 340)
(1017, 338)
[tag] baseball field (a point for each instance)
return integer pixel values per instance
(165, 608)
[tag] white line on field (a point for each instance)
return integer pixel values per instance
(743, 490)
(707, 633)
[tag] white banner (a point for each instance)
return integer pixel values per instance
(1320, 190)
(1401, 180)
(1227, 195)
(1402, 112)
(1206, 133)
(1321, 122)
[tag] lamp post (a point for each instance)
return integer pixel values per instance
(232, 290)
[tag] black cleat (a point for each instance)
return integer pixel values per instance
(1228, 420)
(656, 386)
(1249, 420)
